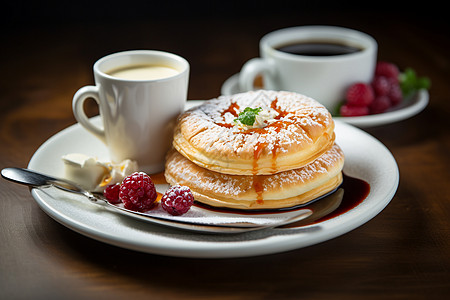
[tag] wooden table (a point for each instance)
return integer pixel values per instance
(403, 253)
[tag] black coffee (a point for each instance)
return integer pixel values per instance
(318, 48)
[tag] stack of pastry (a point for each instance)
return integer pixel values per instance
(286, 157)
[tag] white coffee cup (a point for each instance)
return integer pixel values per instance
(138, 110)
(324, 78)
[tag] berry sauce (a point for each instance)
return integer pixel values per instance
(350, 194)
(355, 191)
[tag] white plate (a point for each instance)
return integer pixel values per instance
(408, 109)
(366, 158)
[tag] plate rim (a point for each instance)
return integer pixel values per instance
(205, 248)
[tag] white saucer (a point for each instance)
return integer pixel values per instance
(366, 158)
(409, 109)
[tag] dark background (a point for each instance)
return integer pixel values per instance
(97, 28)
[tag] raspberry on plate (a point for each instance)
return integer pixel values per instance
(380, 104)
(138, 192)
(387, 69)
(377, 97)
(353, 111)
(360, 94)
(177, 200)
(395, 94)
(111, 193)
(381, 85)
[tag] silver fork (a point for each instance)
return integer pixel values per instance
(39, 180)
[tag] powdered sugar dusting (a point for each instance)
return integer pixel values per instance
(302, 121)
(186, 172)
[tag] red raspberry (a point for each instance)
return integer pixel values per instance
(380, 104)
(177, 200)
(359, 94)
(138, 192)
(353, 111)
(395, 94)
(387, 69)
(111, 193)
(381, 85)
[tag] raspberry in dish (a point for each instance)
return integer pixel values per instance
(395, 94)
(360, 94)
(381, 85)
(380, 104)
(353, 110)
(383, 93)
(388, 70)
(137, 192)
(177, 200)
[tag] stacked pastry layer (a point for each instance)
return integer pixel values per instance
(285, 158)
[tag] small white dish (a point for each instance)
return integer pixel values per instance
(231, 86)
(366, 159)
(408, 109)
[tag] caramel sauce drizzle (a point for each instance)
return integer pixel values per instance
(257, 182)
(274, 106)
(226, 125)
(260, 146)
(232, 109)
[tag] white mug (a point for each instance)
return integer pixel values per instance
(322, 77)
(138, 110)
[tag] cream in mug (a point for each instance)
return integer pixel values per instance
(143, 72)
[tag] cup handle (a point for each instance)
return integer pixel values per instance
(253, 68)
(78, 110)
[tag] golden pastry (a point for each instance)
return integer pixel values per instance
(282, 190)
(289, 131)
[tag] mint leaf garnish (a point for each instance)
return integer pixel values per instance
(410, 82)
(248, 116)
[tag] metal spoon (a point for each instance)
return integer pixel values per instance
(38, 180)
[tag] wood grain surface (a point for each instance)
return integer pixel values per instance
(403, 253)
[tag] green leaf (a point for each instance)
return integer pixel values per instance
(248, 116)
(411, 83)
(423, 83)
